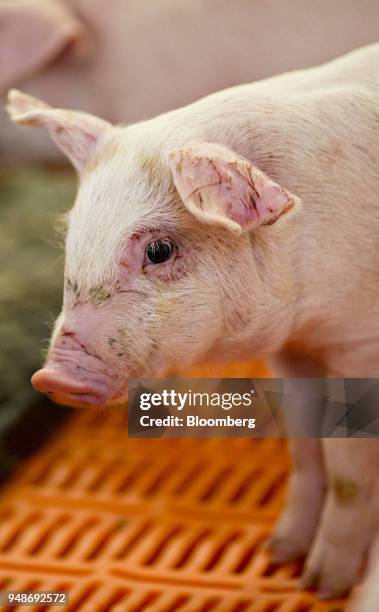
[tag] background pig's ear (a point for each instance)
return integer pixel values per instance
(219, 187)
(32, 34)
(75, 133)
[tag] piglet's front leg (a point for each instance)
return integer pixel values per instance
(293, 535)
(349, 519)
(297, 526)
(304, 410)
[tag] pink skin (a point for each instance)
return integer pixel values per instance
(212, 178)
(75, 373)
(133, 259)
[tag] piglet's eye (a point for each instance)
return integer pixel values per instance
(159, 250)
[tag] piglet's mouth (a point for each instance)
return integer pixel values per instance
(64, 388)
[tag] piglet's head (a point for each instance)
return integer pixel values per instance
(161, 269)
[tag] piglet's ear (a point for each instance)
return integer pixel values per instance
(75, 133)
(33, 33)
(219, 187)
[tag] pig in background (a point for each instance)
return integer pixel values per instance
(126, 60)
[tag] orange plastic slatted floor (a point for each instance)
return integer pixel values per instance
(149, 525)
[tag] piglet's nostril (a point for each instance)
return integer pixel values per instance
(65, 331)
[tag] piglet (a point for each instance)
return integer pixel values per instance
(245, 223)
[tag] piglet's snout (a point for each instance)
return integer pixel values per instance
(74, 375)
(66, 388)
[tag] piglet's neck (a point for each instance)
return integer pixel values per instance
(285, 304)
